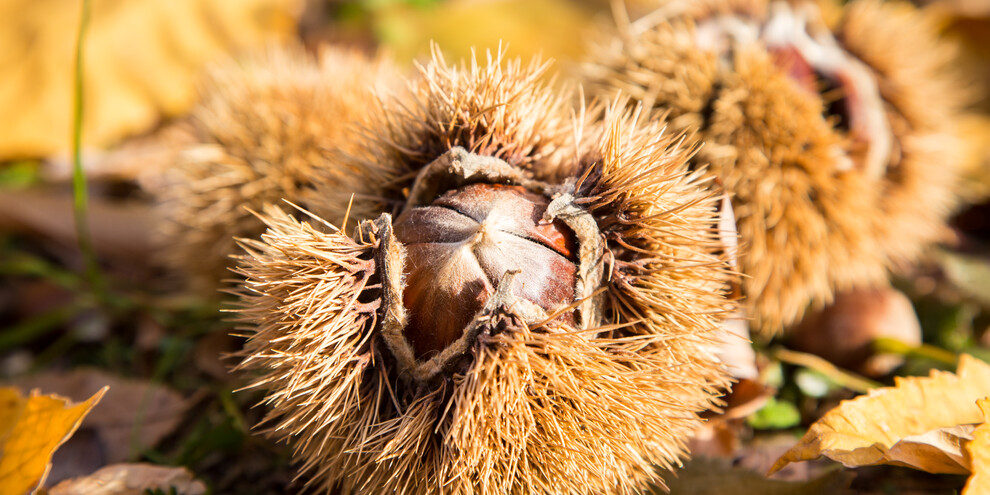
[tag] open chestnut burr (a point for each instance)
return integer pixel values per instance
(835, 138)
(529, 305)
(462, 251)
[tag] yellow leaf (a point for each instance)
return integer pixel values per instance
(141, 60)
(979, 453)
(936, 451)
(555, 29)
(31, 430)
(866, 430)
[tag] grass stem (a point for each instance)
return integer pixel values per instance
(80, 197)
(841, 377)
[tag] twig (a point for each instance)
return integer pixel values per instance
(843, 378)
(894, 346)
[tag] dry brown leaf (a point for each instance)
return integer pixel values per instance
(979, 453)
(134, 415)
(703, 476)
(866, 430)
(119, 229)
(31, 429)
(936, 451)
(132, 479)
(140, 159)
(141, 58)
(717, 438)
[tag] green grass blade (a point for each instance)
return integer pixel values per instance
(80, 197)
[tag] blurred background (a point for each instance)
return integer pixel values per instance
(162, 350)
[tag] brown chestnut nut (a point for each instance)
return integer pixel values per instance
(459, 247)
(844, 331)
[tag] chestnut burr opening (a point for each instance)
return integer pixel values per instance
(837, 93)
(459, 247)
(811, 56)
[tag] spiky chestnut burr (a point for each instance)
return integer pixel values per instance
(269, 127)
(836, 145)
(581, 288)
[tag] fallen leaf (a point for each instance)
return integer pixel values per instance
(552, 28)
(866, 430)
(132, 479)
(703, 476)
(760, 451)
(141, 61)
(971, 274)
(140, 159)
(746, 397)
(134, 415)
(979, 453)
(118, 229)
(936, 451)
(31, 429)
(717, 438)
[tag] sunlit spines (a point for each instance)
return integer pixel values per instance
(531, 406)
(826, 156)
(269, 127)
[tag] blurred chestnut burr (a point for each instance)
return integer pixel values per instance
(539, 317)
(836, 135)
(269, 127)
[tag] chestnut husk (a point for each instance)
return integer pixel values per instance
(524, 401)
(841, 168)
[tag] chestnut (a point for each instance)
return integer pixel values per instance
(479, 242)
(460, 246)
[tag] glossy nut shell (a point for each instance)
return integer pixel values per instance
(458, 248)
